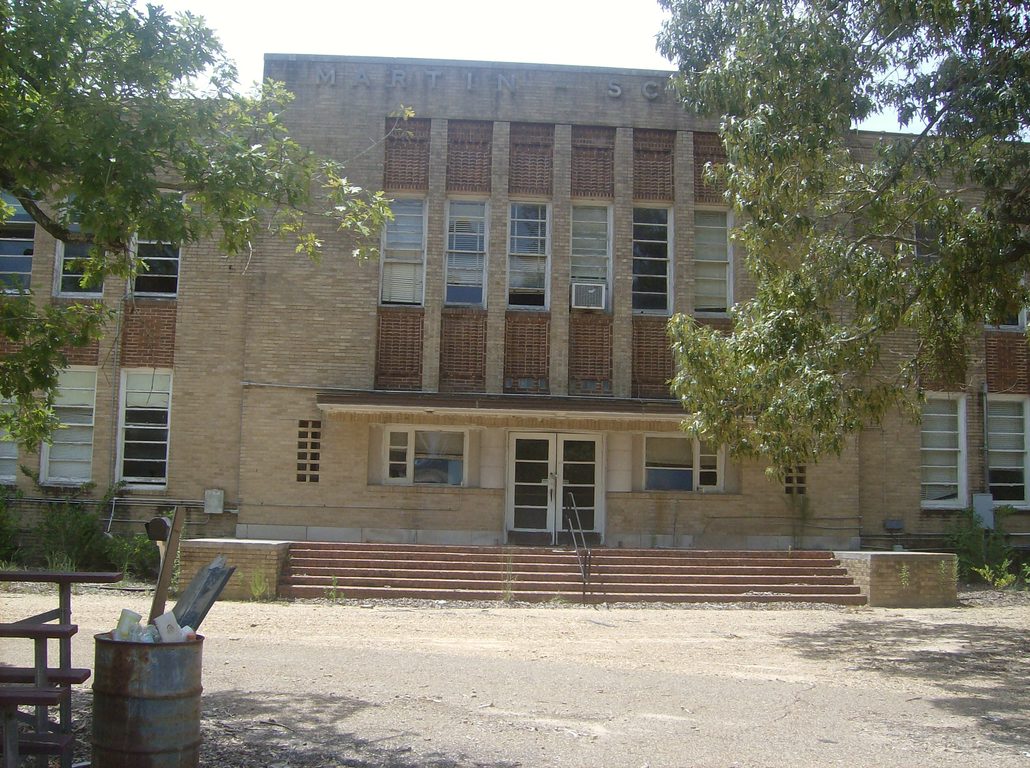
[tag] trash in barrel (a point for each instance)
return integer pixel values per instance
(146, 703)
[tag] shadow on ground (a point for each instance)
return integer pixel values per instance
(247, 730)
(981, 670)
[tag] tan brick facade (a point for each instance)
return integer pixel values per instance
(260, 345)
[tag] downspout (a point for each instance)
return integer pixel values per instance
(986, 485)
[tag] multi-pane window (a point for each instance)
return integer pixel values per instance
(590, 256)
(680, 464)
(403, 261)
(68, 457)
(145, 422)
(943, 452)
(466, 253)
(424, 457)
(794, 481)
(1006, 449)
(711, 262)
(71, 271)
(8, 451)
(527, 255)
(651, 260)
(309, 450)
(158, 270)
(16, 242)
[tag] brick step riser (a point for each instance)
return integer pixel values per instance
(372, 594)
(602, 570)
(516, 551)
(561, 576)
(344, 585)
(483, 563)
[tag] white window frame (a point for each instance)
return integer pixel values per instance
(697, 450)
(484, 254)
(14, 223)
(573, 255)
(1025, 501)
(669, 250)
(57, 439)
(141, 274)
(398, 256)
(408, 478)
(60, 252)
(135, 481)
(728, 267)
(546, 256)
(961, 501)
(1019, 326)
(8, 451)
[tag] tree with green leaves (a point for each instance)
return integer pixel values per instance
(117, 122)
(876, 257)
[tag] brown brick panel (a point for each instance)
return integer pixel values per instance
(653, 155)
(469, 152)
(87, 355)
(652, 357)
(593, 161)
(531, 159)
(590, 353)
(399, 349)
(527, 349)
(707, 149)
(148, 334)
(722, 324)
(407, 155)
(463, 350)
(1007, 363)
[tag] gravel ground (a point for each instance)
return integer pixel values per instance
(413, 684)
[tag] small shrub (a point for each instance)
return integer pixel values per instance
(8, 532)
(258, 586)
(136, 555)
(72, 533)
(1000, 576)
(977, 546)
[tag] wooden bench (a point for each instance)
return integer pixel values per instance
(42, 686)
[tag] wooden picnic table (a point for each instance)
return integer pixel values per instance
(41, 686)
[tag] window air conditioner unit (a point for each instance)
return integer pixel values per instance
(588, 296)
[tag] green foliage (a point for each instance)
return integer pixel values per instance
(8, 531)
(977, 547)
(128, 121)
(998, 576)
(72, 533)
(847, 316)
(136, 555)
(1024, 575)
(258, 586)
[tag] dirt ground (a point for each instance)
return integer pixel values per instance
(311, 684)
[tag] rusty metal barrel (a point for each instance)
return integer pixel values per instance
(146, 704)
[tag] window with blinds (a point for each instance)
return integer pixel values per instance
(711, 262)
(465, 277)
(942, 452)
(68, 457)
(1006, 449)
(403, 253)
(528, 248)
(591, 248)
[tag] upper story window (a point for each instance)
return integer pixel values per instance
(145, 425)
(17, 235)
(425, 457)
(591, 257)
(1016, 322)
(68, 457)
(681, 464)
(1006, 449)
(466, 254)
(70, 273)
(8, 451)
(528, 251)
(403, 260)
(651, 267)
(711, 262)
(943, 451)
(158, 271)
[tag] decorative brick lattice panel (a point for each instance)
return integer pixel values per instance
(148, 334)
(399, 349)
(590, 353)
(1007, 363)
(407, 155)
(463, 350)
(707, 149)
(309, 450)
(653, 154)
(794, 482)
(469, 150)
(652, 358)
(593, 162)
(527, 350)
(531, 169)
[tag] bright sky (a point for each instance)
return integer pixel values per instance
(584, 32)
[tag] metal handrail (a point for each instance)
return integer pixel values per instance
(583, 554)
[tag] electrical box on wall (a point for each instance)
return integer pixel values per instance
(214, 501)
